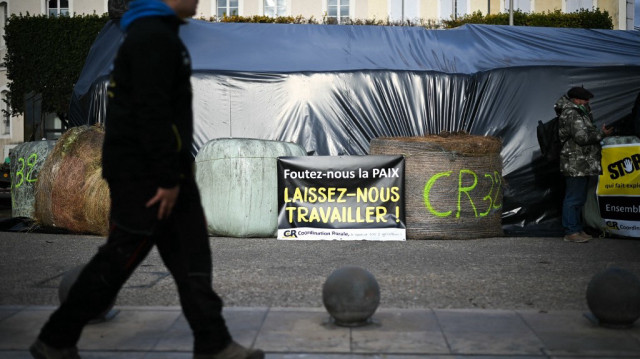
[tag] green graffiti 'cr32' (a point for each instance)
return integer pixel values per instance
(491, 197)
(21, 177)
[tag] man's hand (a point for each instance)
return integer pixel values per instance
(166, 197)
(607, 130)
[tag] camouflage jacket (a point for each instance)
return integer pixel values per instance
(580, 154)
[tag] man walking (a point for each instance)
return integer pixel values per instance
(579, 157)
(154, 197)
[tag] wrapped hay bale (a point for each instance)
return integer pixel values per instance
(27, 160)
(70, 192)
(453, 184)
(238, 182)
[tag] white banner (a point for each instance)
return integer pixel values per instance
(619, 189)
(347, 234)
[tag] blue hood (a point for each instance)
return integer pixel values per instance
(144, 8)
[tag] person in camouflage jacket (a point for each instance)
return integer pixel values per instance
(579, 157)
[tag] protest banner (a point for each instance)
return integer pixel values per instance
(619, 189)
(341, 198)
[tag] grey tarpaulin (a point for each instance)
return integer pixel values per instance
(332, 89)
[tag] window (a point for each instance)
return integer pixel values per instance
(522, 5)
(5, 116)
(575, 5)
(402, 10)
(58, 7)
(3, 22)
(227, 8)
(275, 8)
(338, 11)
(54, 127)
(452, 9)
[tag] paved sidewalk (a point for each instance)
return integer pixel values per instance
(524, 298)
(162, 332)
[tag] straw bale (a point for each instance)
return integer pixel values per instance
(70, 192)
(453, 185)
(460, 143)
(42, 206)
(97, 203)
(67, 193)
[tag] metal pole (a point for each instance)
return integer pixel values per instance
(510, 12)
(454, 4)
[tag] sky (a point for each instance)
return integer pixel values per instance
(636, 16)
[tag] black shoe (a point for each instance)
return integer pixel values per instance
(233, 351)
(40, 350)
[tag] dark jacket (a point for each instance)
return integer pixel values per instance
(580, 154)
(149, 123)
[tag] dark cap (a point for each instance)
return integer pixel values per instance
(579, 93)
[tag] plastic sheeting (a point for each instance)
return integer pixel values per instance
(332, 89)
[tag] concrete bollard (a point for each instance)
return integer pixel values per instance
(613, 296)
(351, 295)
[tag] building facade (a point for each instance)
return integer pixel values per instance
(12, 128)
(621, 11)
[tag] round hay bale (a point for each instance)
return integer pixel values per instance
(97, 212)
(66, 194)
(238, 182)
(453, 184)
(70, 192)
(27, 160)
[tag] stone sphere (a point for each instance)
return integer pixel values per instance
(351, 295)
(68, 279)
(613, 296)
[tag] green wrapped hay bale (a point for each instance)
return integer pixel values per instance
(27, 160)
(620, 140)
(70, 192)
(238, 182)
(453, 184)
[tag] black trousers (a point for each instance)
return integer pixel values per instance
(183, 244)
